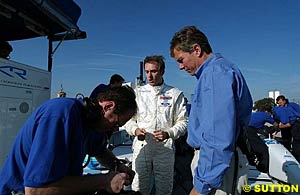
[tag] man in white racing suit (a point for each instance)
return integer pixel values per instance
(161, 118)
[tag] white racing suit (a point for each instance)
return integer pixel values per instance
(159, 108)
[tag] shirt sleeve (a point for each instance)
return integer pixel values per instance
(269, 119)
(131, 125)
(180, 118)
(215, 110)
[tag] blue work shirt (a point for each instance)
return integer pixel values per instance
(284, 115)
(221, 106)
(51, 144)
(295, 108)
(259, 118)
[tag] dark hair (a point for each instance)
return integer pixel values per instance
(156, 58)
(281, 97)
(5, 45)
(116, 78)
(186, 38)
(124, 98)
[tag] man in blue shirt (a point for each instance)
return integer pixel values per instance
(295, 127)
(116, 80)
(47, 155)
(290, 128)
(221, 107)
(263, 114)
(286, 119)
(259, 118)
(259, 154)
(284, 102)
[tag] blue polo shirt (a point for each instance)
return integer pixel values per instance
(51, 144)
(258, 119)
(284, 115)
(221, 106)
(295, 108)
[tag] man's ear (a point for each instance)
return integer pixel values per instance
(108, 105)
(197, 49)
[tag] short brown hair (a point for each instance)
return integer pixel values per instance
(186, 38)
(156, 58)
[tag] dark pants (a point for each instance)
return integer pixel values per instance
(286, 136)
(295, 132)
(259, 148)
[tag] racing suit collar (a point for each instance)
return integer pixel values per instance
(157, 89)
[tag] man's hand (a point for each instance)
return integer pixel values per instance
(282, 126)
(160, 135)
(194, 192)
(122, 168)
(140, 133)
(115, 182)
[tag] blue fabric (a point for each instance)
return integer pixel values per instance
(50, 145)
(295, 108)
(188, 108)
(221, 106)
(258, 119)
(284, 115)
(99, 88)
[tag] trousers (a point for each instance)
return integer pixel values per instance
(226, 188)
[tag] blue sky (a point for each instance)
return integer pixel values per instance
(261, 36)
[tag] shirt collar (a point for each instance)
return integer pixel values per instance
(204, 64)
(157, 89)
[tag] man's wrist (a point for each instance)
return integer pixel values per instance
(116, 165)
(166, 135)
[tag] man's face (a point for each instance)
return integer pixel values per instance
(187, 61)
(112, 121)
(153, 74)
(281, 102)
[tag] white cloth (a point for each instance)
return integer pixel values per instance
(159, 108)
